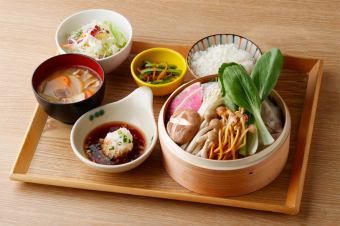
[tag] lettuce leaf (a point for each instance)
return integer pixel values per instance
(119, 36)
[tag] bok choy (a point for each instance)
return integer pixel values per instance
(240, 89)
(249, 92)
(267, 71)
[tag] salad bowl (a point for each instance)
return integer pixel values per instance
(76, 21)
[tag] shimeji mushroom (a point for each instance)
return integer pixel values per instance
(211, 142)
(208, 116)
(213, 124)
(204, 140)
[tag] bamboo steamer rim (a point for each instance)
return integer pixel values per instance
(209, 164)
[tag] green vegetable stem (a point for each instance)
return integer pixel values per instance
(240, 89)
(249, 92)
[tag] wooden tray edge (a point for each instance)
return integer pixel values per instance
(30, 141)
(85, 185)
(299, 168)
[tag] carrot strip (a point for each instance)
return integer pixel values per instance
(65, 80)
(88, 93)
(154, 74)
(163, 73)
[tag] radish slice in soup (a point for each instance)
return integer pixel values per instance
(75, 98)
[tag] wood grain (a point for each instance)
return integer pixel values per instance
(305, 28)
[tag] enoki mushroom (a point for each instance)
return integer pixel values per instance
(222, 134)
(232, 135)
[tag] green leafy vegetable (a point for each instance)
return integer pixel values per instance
(120, 38)
(240, 89)
(267, 71)
(226, 99)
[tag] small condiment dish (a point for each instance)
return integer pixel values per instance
(77, 20)
(159, 55)
(220, 39)
(135, 109)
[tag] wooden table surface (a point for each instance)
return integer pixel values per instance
(27, 31)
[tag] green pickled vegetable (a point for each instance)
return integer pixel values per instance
(158, 73)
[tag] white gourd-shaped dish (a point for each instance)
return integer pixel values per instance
(135, 109)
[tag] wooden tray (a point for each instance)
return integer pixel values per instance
(46, 157)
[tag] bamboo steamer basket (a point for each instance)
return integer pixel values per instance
(228, 177)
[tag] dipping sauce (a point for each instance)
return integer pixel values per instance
(114, 143)
(69, 85)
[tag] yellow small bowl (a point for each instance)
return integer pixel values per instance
(160, 55)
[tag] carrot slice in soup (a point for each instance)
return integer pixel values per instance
(88, 93)
(65, 80)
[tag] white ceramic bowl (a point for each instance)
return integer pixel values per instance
(135, 109)
(77, 20)
(220, 39)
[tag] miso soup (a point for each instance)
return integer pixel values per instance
(69, 85)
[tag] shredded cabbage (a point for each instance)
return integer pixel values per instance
(97, 40)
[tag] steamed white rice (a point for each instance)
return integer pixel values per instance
(208, 62)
